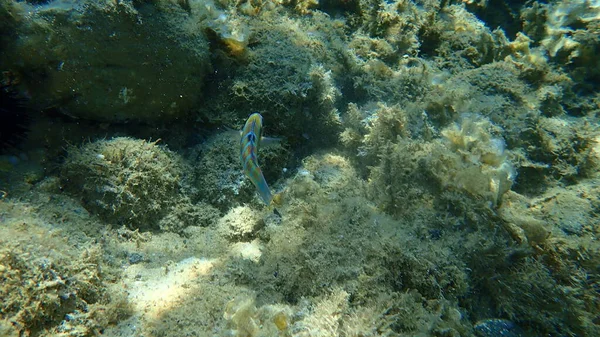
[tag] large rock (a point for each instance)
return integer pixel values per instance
(105, 60)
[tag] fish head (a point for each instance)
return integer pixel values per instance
(253, 126)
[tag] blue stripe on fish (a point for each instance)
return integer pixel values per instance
(249, 142)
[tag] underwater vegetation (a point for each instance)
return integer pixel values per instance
(437, 174)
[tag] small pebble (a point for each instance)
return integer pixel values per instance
(135, 258)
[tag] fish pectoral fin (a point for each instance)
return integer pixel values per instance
(234, 134)
(270, 141)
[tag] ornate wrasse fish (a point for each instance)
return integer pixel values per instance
(251, 138)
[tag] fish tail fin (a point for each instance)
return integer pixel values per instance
(263, 188)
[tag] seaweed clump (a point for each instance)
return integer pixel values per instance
(124, 180)
(470, 158)
(480, 160)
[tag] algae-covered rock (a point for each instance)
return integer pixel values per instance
(219, 178)
(124, 180)
(520, 223)
(461, 33)
(470, 157)
(106, 60)
(185, 213)
(240, 223)
(49, 287)
(288, 74)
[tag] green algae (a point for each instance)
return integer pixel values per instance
(435, 172)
